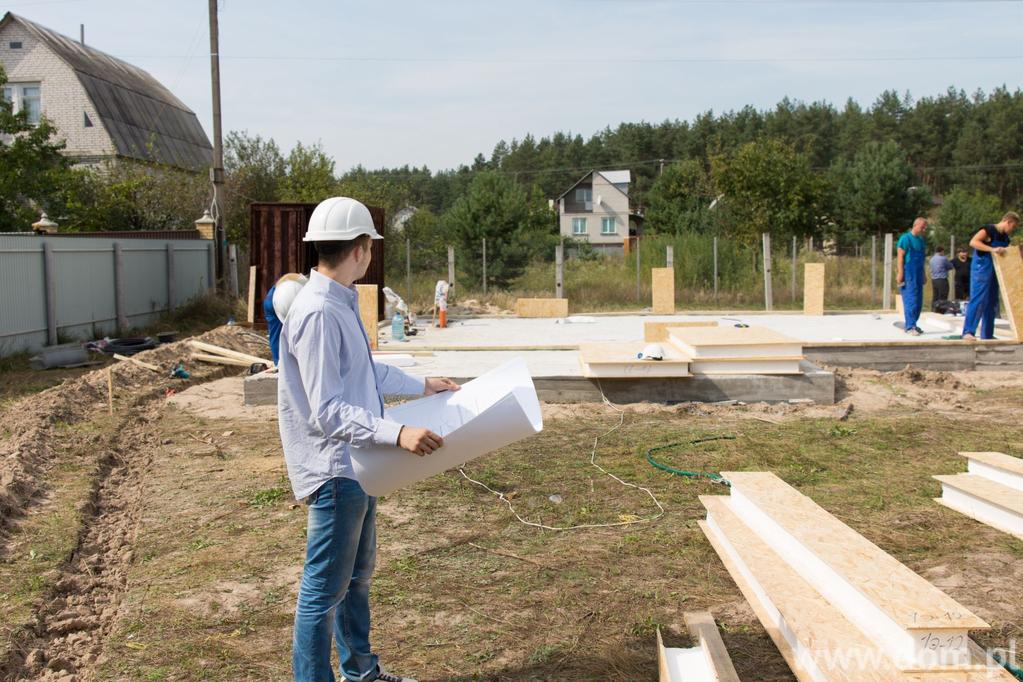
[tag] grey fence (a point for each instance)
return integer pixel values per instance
(54, 288)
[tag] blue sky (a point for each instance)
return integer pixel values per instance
(388, 83)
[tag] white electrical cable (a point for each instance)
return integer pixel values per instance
(593, 462)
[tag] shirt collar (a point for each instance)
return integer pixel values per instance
(333, 288)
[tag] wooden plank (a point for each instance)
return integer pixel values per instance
(997, 459)
(786, 603)
(1009, 268)
(663, 286)
(136, 361)
(703, 629)
(662, 660)
(225, 360)
(227, 352)
(251, 313)
(541, 307)
(368, 294)
(813, 289)
(657, 332)
(904, 597)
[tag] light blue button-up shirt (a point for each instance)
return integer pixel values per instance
(330, 391)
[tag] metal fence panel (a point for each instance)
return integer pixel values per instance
(84, 282)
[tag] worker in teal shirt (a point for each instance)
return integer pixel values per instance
(912, 251)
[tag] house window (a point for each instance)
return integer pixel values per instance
(88, 121)
(607, 226)
(584, 197)
(25, 97)
(578, 225)
(15, 44)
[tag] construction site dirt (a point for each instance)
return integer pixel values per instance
(161, 541)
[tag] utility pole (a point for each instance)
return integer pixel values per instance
(217, 174)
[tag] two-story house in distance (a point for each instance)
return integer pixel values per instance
(596, 210)
(103, 107)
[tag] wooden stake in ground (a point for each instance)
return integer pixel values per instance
(662, 282)
(251, 313)
(110, 389)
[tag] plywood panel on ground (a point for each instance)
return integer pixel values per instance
(746, 342)
(1009, 267)
(657, 332)
(541, 307)
(368, 294)
(663, 286)
(813, 289)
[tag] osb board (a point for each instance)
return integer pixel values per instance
(829, 638)
(368, 312)
(997, 459)
(899, 308)
(990, 491)
(662, 660)
(702, 628)
(813, 289)
(250, 316)
(909, 600)
(625, 352)
(1009, 267)
(657, 332)
(730, 336)
(541, 307)
(663, 286)
(814, 622)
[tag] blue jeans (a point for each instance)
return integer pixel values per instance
(333, 599)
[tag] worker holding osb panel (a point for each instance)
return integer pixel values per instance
(984, 292)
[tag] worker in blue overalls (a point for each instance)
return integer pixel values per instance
(912, 252)
(983, 306)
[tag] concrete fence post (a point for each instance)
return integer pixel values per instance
(50, 287)
(451, 271)
(670, 256)
(559, 271)
(886, 294)
(408, 271)
(484, 266)
(873, 269)
(232, 269)
(119, 308)
(172, 279)
(768, 293)
(715, 268)
(795, 248)
(211, 266)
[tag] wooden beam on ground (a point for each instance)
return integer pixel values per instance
(1009, 267)
(227, 352)
(224, 360)
(704, 630)
(813, 289)
(368, 294)
(657, 332)
(663, 286)
(541, 307)
(135, 361)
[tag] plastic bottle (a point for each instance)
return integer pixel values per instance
(398, 327)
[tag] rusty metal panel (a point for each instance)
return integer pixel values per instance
(276, 247)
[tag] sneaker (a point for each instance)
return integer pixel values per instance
(384, 676)
(914, 331)
(919, 330)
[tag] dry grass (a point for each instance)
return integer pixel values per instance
(212, 590)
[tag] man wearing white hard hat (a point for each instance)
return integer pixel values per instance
(330, 397)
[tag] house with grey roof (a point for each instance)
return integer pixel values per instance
(103, 107)
(596, 210)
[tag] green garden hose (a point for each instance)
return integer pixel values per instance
(717, 478)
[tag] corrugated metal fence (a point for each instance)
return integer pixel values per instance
(88, 287)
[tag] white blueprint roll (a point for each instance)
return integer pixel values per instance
(490, 412)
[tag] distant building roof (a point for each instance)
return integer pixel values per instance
(618, 177)
(144, 119)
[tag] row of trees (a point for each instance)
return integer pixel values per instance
(797, 169)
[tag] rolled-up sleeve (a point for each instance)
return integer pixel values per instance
(394, 381)
(317, 349)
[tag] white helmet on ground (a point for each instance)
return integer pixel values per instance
(284, 295)
(340, 219)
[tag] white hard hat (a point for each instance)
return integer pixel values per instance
(652, 352)
(284, 296)
(340, 219)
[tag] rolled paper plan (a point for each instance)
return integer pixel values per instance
(488, 413)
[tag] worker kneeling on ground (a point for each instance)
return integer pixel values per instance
(911, 251)
(330, 397)
(983, 306)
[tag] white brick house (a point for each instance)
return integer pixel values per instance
(596, 210)
(101, 106)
